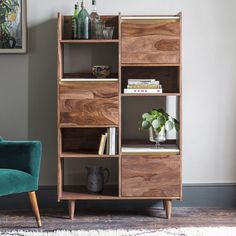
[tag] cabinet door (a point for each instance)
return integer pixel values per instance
(150, 41)
(151, 176)
(89, 103)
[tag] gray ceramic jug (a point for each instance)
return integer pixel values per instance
(96, 178)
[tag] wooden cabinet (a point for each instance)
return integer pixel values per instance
(147, 40)
(151, 176)
(143, 47)
(89, 103)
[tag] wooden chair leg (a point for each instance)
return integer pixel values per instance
(71, 205)
(35, 208)
(164, 205)
(168, 208)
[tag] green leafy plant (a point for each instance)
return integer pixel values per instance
(158, 119)
(8, 10)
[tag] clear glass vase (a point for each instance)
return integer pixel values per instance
(157, 137)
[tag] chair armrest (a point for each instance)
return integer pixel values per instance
(21, 155)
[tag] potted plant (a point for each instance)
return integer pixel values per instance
(158, 122)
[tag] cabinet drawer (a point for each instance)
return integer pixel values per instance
(150, 41)
(89, 103)
(151, 176)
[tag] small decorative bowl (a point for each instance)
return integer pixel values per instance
(101, 71)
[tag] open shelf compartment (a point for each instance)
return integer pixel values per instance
(110, 20)
(85, 142)
(79, 59)
(134, 138)
(167, 76)
(75, 178)
(145, 147)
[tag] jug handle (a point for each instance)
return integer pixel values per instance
(108, 175)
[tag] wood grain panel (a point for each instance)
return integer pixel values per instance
(89, 103)
(150, 176)
(150, 41)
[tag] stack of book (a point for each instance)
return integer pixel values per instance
(143, 86)
(109, 142)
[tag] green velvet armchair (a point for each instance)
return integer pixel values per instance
(19, 170)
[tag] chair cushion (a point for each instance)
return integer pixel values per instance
(16, 181)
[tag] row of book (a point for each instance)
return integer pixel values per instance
(109, 142)
(143, 86)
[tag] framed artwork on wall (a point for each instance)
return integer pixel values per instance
(13, 26)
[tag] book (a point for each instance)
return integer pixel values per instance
(144, 86)
(108, 142)
(112, 141)
(102, 144)
(142, 90)
(138, 81)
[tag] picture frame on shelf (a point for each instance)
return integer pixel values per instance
(13, 27)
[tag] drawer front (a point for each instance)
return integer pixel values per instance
(89, 103)
(150, 41)
(151, 176)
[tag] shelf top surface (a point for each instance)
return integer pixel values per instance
(88, 79)
(150, 149)
(78, 41)
(150, 64)
(85, 155)
(82, 193)
(150, 94)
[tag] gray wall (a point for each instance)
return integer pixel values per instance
(28, 83)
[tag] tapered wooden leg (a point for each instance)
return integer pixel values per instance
(35, 208)
(71, 205)
(164, 205)
(168, 208)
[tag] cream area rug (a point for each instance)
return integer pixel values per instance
(201, 231)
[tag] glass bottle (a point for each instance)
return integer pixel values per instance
(94, 19)
(75, 22)
(84, 23)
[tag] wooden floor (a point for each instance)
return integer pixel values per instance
(56, 220)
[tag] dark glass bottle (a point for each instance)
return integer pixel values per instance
(75, 22)
(84, 23)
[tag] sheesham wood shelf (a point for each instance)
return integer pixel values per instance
(86, 155)
(75, 126)
(147, 47)
(113, 195)
(81, 193)
(109, 193)
(87, 80)
(148, 65)
(85, 76)
(90, 41)
(150, 94)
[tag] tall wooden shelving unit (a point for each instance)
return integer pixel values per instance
(147, 47)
